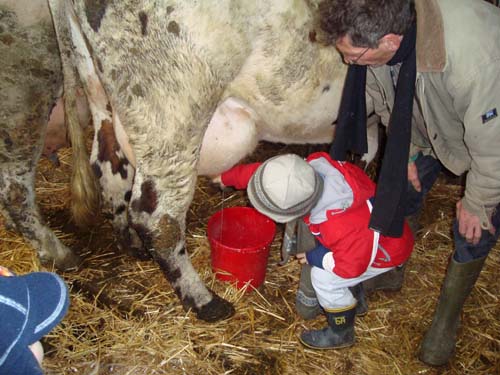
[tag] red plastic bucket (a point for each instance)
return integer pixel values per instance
(240, 239)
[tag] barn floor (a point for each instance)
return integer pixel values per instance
(125, 319)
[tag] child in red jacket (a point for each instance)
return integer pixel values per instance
(333, 199)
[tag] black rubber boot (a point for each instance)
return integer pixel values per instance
(358, 292)
(439, 342)
(338, 334)
(306, 302)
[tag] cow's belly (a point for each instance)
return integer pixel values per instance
(290, 96)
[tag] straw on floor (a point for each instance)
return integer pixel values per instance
(125, 318)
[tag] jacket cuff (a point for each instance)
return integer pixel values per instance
(414, 153)
(239, 176)
(315, 256)
(481, 211)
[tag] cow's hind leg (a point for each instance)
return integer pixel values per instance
(17, 205)
(30, 78)
(116, 174)
(111, 157)
(162, 229)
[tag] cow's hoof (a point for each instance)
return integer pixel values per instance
(70, 262)
(131, 244)
(217, 309)
(139, 253)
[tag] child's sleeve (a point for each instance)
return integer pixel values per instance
(321, 257)
(239, 176)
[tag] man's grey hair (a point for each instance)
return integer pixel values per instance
(364, 21)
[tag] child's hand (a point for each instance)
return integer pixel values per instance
(301, 257)
(5, 272)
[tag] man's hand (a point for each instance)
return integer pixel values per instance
(301, 257)
(469, 225)
(413, 176)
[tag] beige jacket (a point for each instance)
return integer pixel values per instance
(457, 94)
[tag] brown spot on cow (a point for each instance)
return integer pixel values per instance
(120, 209)
(99, 65)
(7, 140)
(17, 194)
(169, 234)
(173, 276)
(145, 236)
(312, 36)
(109, 147)
(97, 170)
(148, 200)
(137, 90)
(170, 9)
(7, 39)
(173, 27)
(143, 19)
(95, 11)
(123, 87)
(127, 196)
(41, 73)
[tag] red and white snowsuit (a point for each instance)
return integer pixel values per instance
(348, 251)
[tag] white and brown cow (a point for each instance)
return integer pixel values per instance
(154, 73)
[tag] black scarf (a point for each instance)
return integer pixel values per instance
(388, 211)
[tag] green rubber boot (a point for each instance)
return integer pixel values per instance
(338, 334)
(439, 342)
(306, 302)
(358, 292)
(391, 280)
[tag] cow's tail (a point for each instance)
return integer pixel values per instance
(85, 194)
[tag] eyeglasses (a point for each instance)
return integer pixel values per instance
(355, 60)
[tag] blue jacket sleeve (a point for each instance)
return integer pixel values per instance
(315, 256)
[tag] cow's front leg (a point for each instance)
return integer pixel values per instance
(158, 216)
(170, 253)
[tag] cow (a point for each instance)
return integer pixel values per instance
(56, 136)
(162, 78)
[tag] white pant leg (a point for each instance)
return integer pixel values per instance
(332, 290)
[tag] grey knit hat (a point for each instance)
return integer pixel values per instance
(285, 188)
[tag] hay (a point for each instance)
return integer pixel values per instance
(125, 318)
